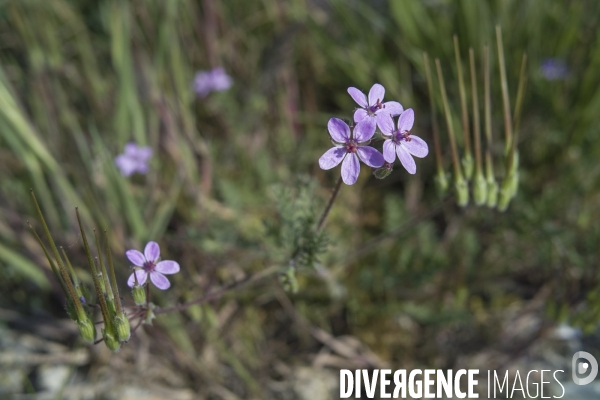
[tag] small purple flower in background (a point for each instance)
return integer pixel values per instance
(351, 148)
(214, 80)
(401, 142)
(373, 106)
(133, 159)
(150, 266)
(554, 69)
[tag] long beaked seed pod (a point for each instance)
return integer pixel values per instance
(460, 184)
(492, 185)
(467, 161)
(108, 333)
(441, 178)
(122, 325)
(480, 189)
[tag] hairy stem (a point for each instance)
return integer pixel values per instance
(325, 213)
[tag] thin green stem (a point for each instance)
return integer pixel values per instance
(222, 291)
(327, 208)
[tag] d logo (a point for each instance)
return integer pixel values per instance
(583, 367)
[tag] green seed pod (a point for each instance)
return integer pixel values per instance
(441, 183)
(505, 194)
(71, 310)
(383, 172)
(480, 190)
(87, 329)
(462, 192)
(492, 199)
(123, 328)
(111, 341)
(112, 311)
(139, 295)
(467, 164)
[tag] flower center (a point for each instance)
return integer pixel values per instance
(149, 266)
(351, 146)
(398, 136)
(374, 108)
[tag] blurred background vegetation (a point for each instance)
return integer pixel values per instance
(406, 280)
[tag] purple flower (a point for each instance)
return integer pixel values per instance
(554, 69)
(208, 81)
(133, 159)
(401, 142)
(150, 266)
(350, 148)
(373, 107)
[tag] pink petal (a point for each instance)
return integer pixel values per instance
(392, 107)
(358, 96)
(360, 114)
(152, 251)
(159, 280)
(339, 130)
(126, 165)
(389, 151)
(376, 93)
(364, 130)
(385, 123)
(350, 169)
(141, 277)
(416, 146)
(406, 121)
(167, 267)
(136, 257)
(332, 157)
(370, 156)
(406, 159)
(144, 153)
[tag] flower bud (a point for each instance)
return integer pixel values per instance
(123, 328)
(383, 172)
(139, 295)
(462, 192)
(480, 189)
(111, 341)
(87, 329)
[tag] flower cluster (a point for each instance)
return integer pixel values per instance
(134, 159)
(351, 142)
(215, 80)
